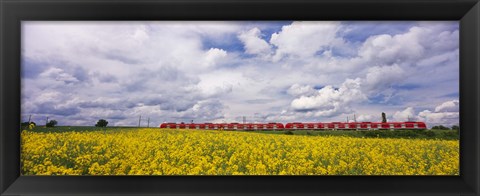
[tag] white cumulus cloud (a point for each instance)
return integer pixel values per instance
(330, 101)
(380, 78)
(59, 75)
(214, 56)
(367, 118)
(390, 49)
(439, 118)
(405, 115)
(449, 106)
(253, 42)
(304, 39)
(299, 90)
(446, 114)
(176, 71)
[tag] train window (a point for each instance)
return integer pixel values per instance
(415, 125)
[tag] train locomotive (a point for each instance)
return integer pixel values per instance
(300, 126)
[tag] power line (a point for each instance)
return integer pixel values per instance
(139, 119)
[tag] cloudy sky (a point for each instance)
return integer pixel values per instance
(79, 72)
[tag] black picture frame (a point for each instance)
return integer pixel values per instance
(12, 12)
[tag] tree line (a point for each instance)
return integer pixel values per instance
(53, 123)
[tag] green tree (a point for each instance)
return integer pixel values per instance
(26, 124)
(455, 127)
(52, 123)
(384, 117)
(102, 123)
(440, 127)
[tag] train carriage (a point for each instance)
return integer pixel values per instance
(294, 125)
(168, 125)
(309, 126)
(299, 126)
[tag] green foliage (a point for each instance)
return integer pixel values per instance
(289, 132)
(79, 129)
(26, 124)
(30, 125)
(425, 134)
(101, 123)
(52, 123)
(413, 134)
(440, 127)
(450, 134)
(430, 133)
(455, 127)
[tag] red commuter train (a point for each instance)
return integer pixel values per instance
(224, 126)
(356, 125)
(299, 126)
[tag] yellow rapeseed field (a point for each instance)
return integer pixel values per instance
(201, 152)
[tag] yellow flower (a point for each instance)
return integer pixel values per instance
(153, 151)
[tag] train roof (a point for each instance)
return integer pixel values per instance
(293, 122)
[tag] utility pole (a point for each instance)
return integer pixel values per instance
(29, 118)
(46, 121)
(354, 118)
(347, 119)
(148, 124)
(139, 119)
(244, 120)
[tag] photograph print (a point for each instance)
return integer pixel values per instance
(239, 98)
